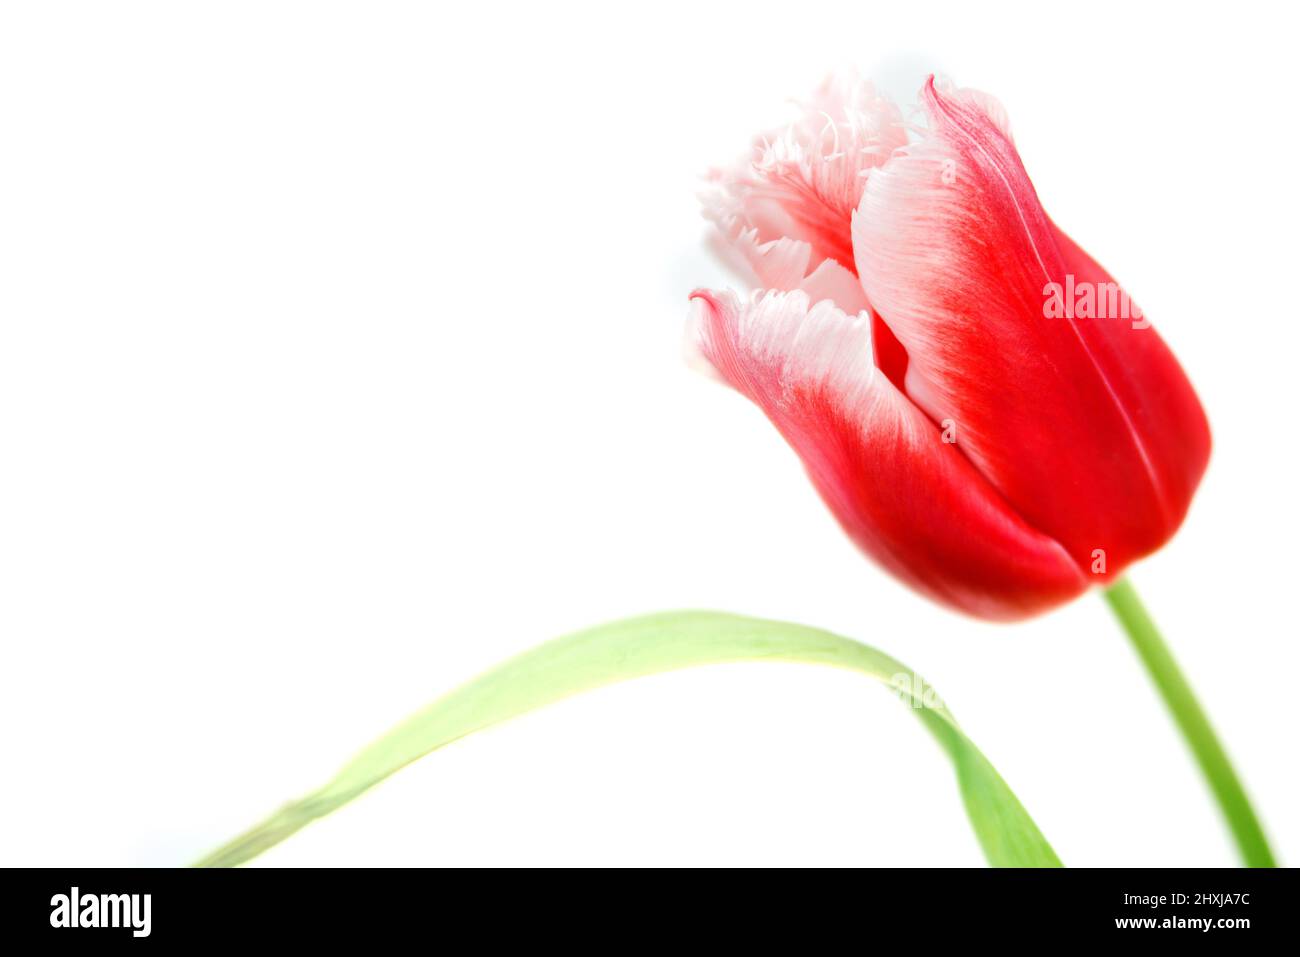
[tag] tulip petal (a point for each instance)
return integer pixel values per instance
(803, 182)
(956, 256)
(1151, 385)
(783, 264)
(904, 495)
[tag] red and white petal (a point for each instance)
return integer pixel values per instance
(777, 264)
(907, 498)
(803, 182)
(985, 103)
(956, 254)
(783, 264)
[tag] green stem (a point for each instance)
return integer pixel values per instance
(1191, 720)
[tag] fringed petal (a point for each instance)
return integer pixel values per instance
(905, 495)
(958, 258)
(803, 182)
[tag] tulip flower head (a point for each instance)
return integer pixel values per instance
(977, 400)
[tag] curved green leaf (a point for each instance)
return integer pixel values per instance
(642, 646)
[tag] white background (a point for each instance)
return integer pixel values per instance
(340, 360)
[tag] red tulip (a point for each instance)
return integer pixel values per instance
(980, 405)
